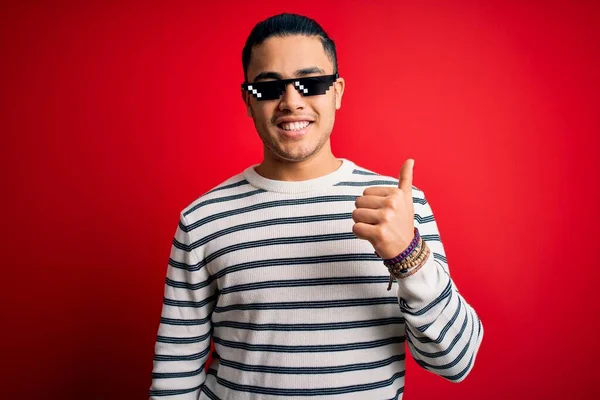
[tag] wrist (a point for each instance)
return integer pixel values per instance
(408, 250)
(409, 261)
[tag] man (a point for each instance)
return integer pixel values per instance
(281, 265)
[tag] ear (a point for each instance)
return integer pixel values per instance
(246, 100)
(339, 87)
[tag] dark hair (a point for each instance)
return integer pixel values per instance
(287, 25)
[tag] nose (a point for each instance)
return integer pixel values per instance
(291, 99)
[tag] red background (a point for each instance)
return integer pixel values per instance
(115, 116)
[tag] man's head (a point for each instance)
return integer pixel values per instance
(291, 47)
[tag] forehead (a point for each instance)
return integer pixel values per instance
(286, 55)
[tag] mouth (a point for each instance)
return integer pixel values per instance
(294, 129)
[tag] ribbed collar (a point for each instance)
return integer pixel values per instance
(343, 173)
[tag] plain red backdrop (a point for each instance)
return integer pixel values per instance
(116, 115)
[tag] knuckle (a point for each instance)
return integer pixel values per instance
(387, 214)
(382, 214)
(391, 203)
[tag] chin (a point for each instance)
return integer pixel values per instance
(293, 156)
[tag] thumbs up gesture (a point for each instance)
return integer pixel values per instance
(385, 216)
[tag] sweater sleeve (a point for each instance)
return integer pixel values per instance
(184, 334)
(443, 331)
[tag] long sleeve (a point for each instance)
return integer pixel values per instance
(443, 331)
(184, 334)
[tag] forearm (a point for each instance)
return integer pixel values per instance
(443, 331)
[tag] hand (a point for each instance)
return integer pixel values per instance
(385, 216)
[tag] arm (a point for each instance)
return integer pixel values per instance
(184, 334)
(442, 330)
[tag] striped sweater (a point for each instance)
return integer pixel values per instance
(295, 304)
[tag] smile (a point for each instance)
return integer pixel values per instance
(294, 129)
(294, 126)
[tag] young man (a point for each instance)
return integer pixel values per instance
(281, 265)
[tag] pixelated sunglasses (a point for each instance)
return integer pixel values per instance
(272, 90)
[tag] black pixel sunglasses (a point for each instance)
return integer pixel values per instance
(272, 90)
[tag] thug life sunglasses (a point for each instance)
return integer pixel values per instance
(273, 90)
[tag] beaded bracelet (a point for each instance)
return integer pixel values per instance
(411, 271)
(410, 262)
(422, 261)
(406, 253)
(410, 265)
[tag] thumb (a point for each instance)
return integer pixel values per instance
(406, 176)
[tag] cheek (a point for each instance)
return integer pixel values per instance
(325, 107)
(262, 114)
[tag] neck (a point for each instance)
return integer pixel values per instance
(311, 168)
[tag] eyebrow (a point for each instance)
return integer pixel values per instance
(277, 75)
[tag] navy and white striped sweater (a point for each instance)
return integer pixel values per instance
(295, 303)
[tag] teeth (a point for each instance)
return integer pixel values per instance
(294, 126)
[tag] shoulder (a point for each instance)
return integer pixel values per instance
(217, 198)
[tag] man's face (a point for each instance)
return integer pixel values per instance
(280, 123)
